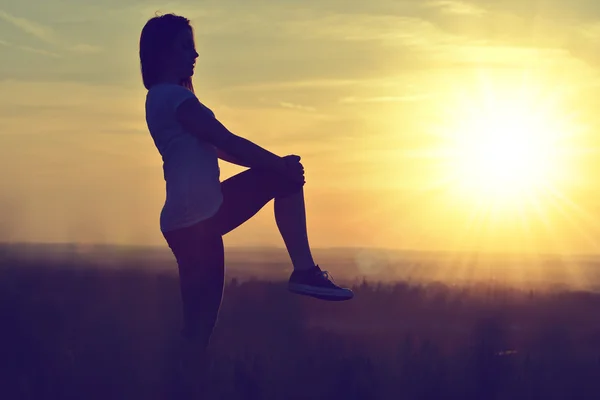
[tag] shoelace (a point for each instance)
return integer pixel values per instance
(327, 276)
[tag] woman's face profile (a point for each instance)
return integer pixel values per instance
(182, 58)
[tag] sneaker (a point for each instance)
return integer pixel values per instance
(318, 284)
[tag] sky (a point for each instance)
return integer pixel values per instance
(381, 99)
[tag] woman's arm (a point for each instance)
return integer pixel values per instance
(226, 157)
(195, 120)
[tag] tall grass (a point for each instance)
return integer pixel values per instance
(89, 333)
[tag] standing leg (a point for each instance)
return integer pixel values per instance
(202, 288)
(200, 260)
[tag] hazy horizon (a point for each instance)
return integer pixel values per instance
(349, 266)
(383, 100)
(270, 247)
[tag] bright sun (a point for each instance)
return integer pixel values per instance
(505, 153)
(505, 150)
(500, 164)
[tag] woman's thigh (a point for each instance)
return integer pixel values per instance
(244, 195)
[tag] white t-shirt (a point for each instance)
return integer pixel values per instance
(190, 166)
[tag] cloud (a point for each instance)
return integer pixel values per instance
(39, 31)
(282, 85)
(85, 49)
(29, 49)
(296, 106)
(589, 31)
(456, 7)
(38, 51)
(45, 34)
(385, 33)
(388, 99)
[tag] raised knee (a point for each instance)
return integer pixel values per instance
(286, 187)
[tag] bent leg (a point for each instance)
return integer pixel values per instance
(199, 251)
(290, 216)
(247, 193)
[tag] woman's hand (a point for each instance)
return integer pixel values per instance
(293, 169)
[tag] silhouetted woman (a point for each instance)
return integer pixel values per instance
(199, 208)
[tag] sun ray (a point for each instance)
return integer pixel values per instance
(569, 211)
(504, 159)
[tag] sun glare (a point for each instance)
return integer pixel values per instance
(505, 154)
(501, 166)
(505, 149)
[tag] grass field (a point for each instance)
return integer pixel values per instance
(94, 333)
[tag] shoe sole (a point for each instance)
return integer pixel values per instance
(320, 293)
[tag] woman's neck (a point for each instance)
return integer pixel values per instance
(169, 80)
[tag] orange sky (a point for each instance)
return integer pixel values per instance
(368, 94)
